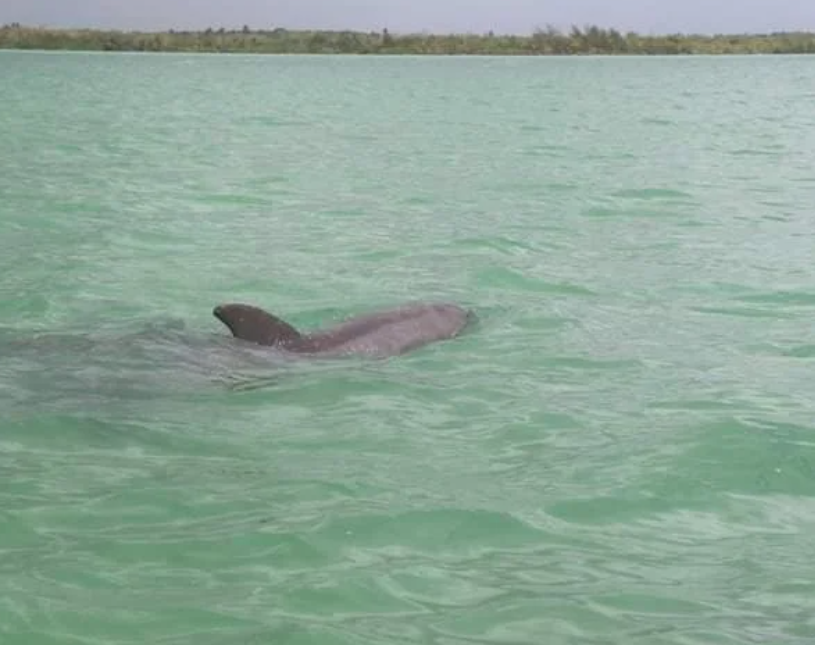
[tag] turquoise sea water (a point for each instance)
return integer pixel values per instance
(621, 451)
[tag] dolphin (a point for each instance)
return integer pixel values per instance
(379, 334)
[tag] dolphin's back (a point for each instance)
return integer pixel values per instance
(388, 333)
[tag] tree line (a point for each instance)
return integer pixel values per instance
(548, 41)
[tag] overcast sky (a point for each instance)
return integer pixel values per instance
(518, 16)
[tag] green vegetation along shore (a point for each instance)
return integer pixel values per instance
(549, 41)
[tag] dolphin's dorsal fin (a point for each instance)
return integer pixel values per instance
(255, 325)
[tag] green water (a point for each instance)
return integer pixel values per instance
(621, 451)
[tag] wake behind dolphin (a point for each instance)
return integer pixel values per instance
(379, 334)
(74, 370)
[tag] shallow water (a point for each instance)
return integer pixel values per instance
(621, 451)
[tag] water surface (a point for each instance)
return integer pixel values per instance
(621, 451)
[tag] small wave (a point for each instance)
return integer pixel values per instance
(658, 121)
(740, 312)
(508, 278)
(654, 194)
(790, 298)
(756, 152)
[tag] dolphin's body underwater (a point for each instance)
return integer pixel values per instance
(380, 334)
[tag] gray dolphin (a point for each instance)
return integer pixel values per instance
(380, 334)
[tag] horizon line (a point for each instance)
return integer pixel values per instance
(397, 33)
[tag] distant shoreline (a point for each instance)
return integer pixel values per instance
(589, 40)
